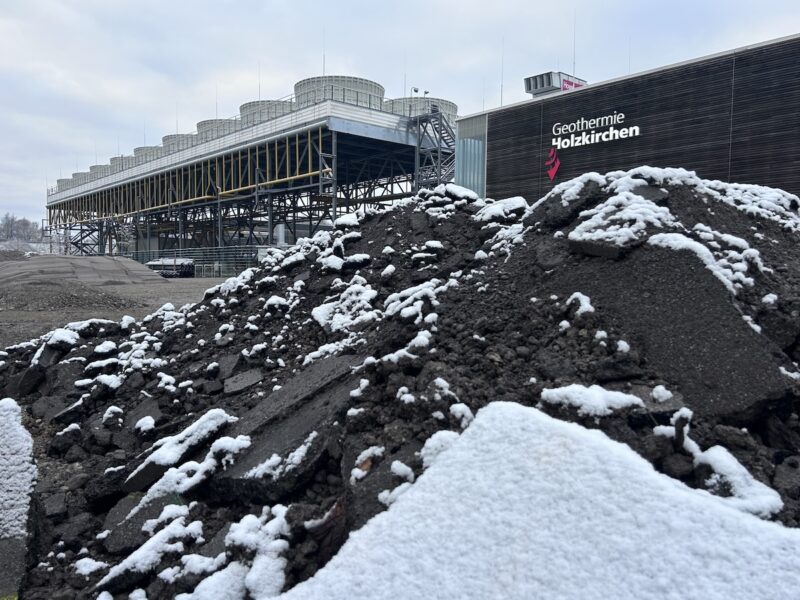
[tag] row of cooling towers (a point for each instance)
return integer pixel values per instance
(351, 90)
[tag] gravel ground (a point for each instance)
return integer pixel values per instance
(29, 310)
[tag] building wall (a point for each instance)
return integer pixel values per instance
(734, 117)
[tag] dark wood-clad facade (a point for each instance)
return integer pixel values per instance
(734, 117)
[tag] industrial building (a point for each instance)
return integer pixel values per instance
(732, 116)
(278, 171)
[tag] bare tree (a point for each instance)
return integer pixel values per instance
(7, 226)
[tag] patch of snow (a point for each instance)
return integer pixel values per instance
(111, 413)
(168, 513)
(584, 303)
(770, 299)
(364, 463)
(145, 424)
(593, 401)
(87, 566)
(17, 471)
(511, 509)
(351, 310)
(661, 394)
(749, 494)
(348, 220)
(106, 347)
(148, 556)
(501, 210)
(181, 479)
(275, 466)
(402, 470)
(169, 450)
(463, 413)
(435, 445)
(731, 276)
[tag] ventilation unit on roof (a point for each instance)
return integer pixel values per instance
(551, 82)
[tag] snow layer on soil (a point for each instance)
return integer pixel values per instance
(746, 492)
(17, 471)
(169, 450)
(592, 401)
(526, 506)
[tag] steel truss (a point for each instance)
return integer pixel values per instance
(300, 181)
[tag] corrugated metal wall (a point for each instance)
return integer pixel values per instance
(471, 154)
(734, 118)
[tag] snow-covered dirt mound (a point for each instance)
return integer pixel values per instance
(525, 506)
(236, 444)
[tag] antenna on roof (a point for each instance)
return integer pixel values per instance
(405, 70)
(574, 35)
(259, 80)
(502, 65)
(629, 55)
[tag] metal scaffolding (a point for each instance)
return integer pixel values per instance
(295, 181)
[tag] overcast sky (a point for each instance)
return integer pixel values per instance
(83, 80)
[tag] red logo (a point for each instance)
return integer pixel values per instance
(553, 163)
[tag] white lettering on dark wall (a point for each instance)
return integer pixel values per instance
(587, 134)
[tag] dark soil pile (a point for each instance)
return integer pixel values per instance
(346, 353)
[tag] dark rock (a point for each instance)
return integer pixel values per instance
(733, 438)
(148, 407)
(103, 491)
(655, 448)
(787, 477)
(47, 407)
(296, 390)
(75, 454)
(617, 368)
(101, 392)
(73, 529)
(51, 355)
(62, 441)
(71, 414)
(27, 381)
(678, 466)
(135, 381)
(778, 435)
(212, 386)
(229, 364)
(242, 381)
(594, 248)
(126, 532)
(77, 481)
(55, 506)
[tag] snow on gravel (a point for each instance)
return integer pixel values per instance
(593, 401)
(526, 506)
(17, 471)
(746, 493)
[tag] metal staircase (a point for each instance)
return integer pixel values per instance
(436, 149)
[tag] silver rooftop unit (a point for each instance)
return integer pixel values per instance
(551, 82)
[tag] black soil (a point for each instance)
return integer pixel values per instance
(496, 336)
